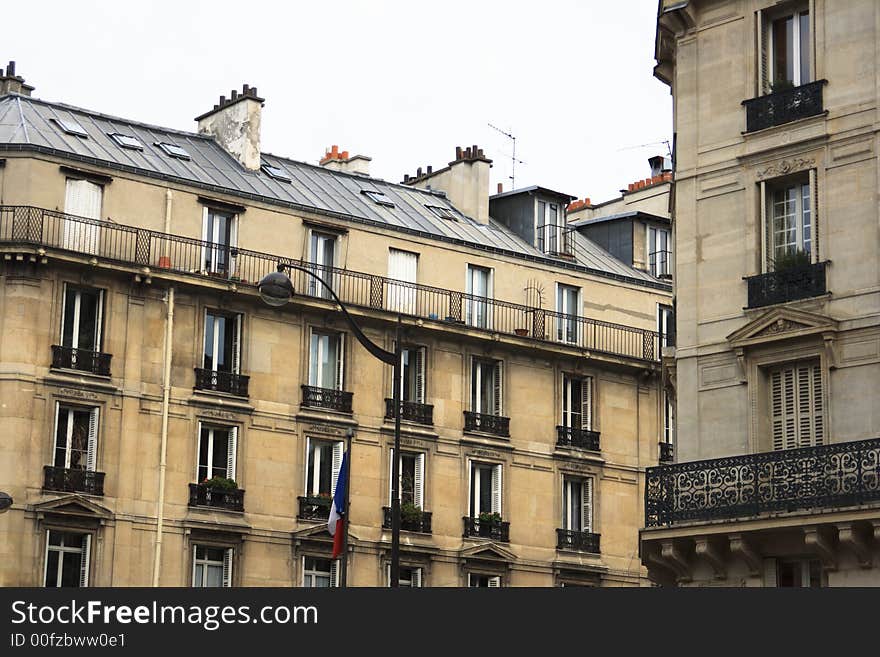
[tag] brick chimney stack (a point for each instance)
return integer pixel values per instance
(337, 160)
(10, 83)
(234, 123)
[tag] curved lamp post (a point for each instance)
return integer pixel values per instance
(5, 501)
(276, 289)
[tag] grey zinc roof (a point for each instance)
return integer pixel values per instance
(26, 123)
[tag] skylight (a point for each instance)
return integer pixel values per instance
(71, 127)
(275, 172)
(127, 141)
(173, 150)
(443, 213)
(378, 197)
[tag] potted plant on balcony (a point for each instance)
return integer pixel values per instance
(410, 514)
(791, 260)
(220, 484)
(781, 85)
(488, 518)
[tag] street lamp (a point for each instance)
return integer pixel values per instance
(5, 501)
(276, 289)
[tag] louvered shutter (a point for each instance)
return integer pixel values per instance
(73, 197)
(236, 344)
(231, 446)
(340, 363)
(418, 484)
(814, 216)
(92, 454)
(99, 320)
(335, 465)
(587, 506)
(498, 389)
(233, 242)
(762, 36)
(766, 230)
(818, 406)
(494, 582)
(416, 578)
(227, 567)
(587, 403)
(420, 375)
(194, 581)
(334, 573)
(782, 391)
(496, 489)
(84, 561)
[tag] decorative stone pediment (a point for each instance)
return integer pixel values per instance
(73, 507)
(487, 552)
(318, 534)
(782, 323)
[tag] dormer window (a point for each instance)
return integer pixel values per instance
(127, 141)
(71, 127)
(275, 172)
(441, 212)
(173, 150)
(378, 197)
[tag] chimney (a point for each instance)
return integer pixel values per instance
(659, 165)
(465, 181)
(234, 123)
(10, 83)
(337, 160)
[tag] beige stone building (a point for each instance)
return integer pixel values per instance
(777, 284)
(164, 426)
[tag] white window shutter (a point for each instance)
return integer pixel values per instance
(231, 447)
(340, 363)
(99, 321)
(233, 242)
(587, 508)
(206, 238)
(194, 582)
(92, 455)
(494, 582)
(496, 489)
(766, 230)
(814, 213)
(417, 577)
(761, 51)
(391, 478)
(334, 572)
(587, 403)
(497, 382)
(818, 406)
(236, 344)
(84, 561)
(335, 465)
(418, 485)
(46, 559)
(73, 200)
(420, 375)
(227, 567)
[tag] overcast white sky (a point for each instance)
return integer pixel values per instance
(402, 82)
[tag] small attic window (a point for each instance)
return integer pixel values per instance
(275, 172)
(71, 127)
(127, 141)
(378, 197)
(173, 150)
(440, 211)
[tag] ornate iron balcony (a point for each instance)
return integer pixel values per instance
(582, 438)
(808, 478)
(335, 400)
(420, 524)
(70, 358)
(218, 498)
(567, 539)
(801, 282)
(497, 530)
(412, 411)
(234, 384)
(784, 106)
(667, 453)
(314, 507)
(69, 480)
(494, 424)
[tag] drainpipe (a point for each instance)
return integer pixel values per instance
(166, 394)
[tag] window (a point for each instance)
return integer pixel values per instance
(275, 172)
(217, 447)
(665, 326)
(443, 213)
(796, 406)
(550, 228)
(402, 266)
(320, 573)
(67, 559)
(81, 318)
(71, 127)
(486, 387)
(222, 351)
(410, 577)
(127, 141)
(378, 197)
(476, 580)
(322, 469)
(659, 251)
(787, 214)
(412, 374)
(212, 566)
(568, 305)
(479, 289)
(326, 360)
(82, 199)
(219, 233)
(321, 254)
(668, 419)
(577, 504)
(577, 402)
(173, 150)
(799, 573)
(485, 488)
(411, 478)
(785, 45)
(76, 437)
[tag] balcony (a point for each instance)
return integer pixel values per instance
(580, 438)
(181, 256)
(334, 400)
(667, 453)
(216, 498)
(792, 284)
(494, 424)
(805, 479)
(420, 523)
(660, 264)
(68, 480)
(228, 382)
(555, 240)
(314, 507)
(83, 360)
(577, 541)
(784, 106)
(412, 411)
(497, 530)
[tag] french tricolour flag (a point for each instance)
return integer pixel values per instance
(337, 508)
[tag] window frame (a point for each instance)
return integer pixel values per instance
(337, 448)
(315, 358)
(213, 266)
(85, 551)
(586, 514)
(77, 310)
(332, 574)
(476, 392)
(473, 307)
(419, 480)
(231, 449)
(587, 401)
(569, 328)
(91, 454)
(766, 217)
(654, 267)
(226, 565)
(496, 487)
(236, 319)
(765, 56)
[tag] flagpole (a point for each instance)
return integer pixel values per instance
(344, 564)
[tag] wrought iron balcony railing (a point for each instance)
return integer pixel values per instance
(70, 358)
(230, 382)
(494, 424)
(112, 242)
(567, 539)
(335, 400)
(660, 263)
(582, 438)
(804, 479)
(784, 106)
(69, 480)
(497, 530)
(412, 411)
(667, 453)
(217, 498)
(554, 239)
(420, 523)
(314, 507)
(801, 282)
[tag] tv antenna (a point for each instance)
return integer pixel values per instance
(513, 160)
(653, 143)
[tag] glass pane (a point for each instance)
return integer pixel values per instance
(214, 575)
(209, 342)
(331, 352)
(52, 559)
(220, 455)
(70, 568)
(783, 50)
(79, 439)
(321, 581)
(408, 478)
(575, 494)
(806, 218)
(198, 575)
(485, 490)
(69, 310)
(224, 348)
(61, 440)
(313, 359)
(204, 440)
(88, 321)
(487, 389)
(805, 47)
